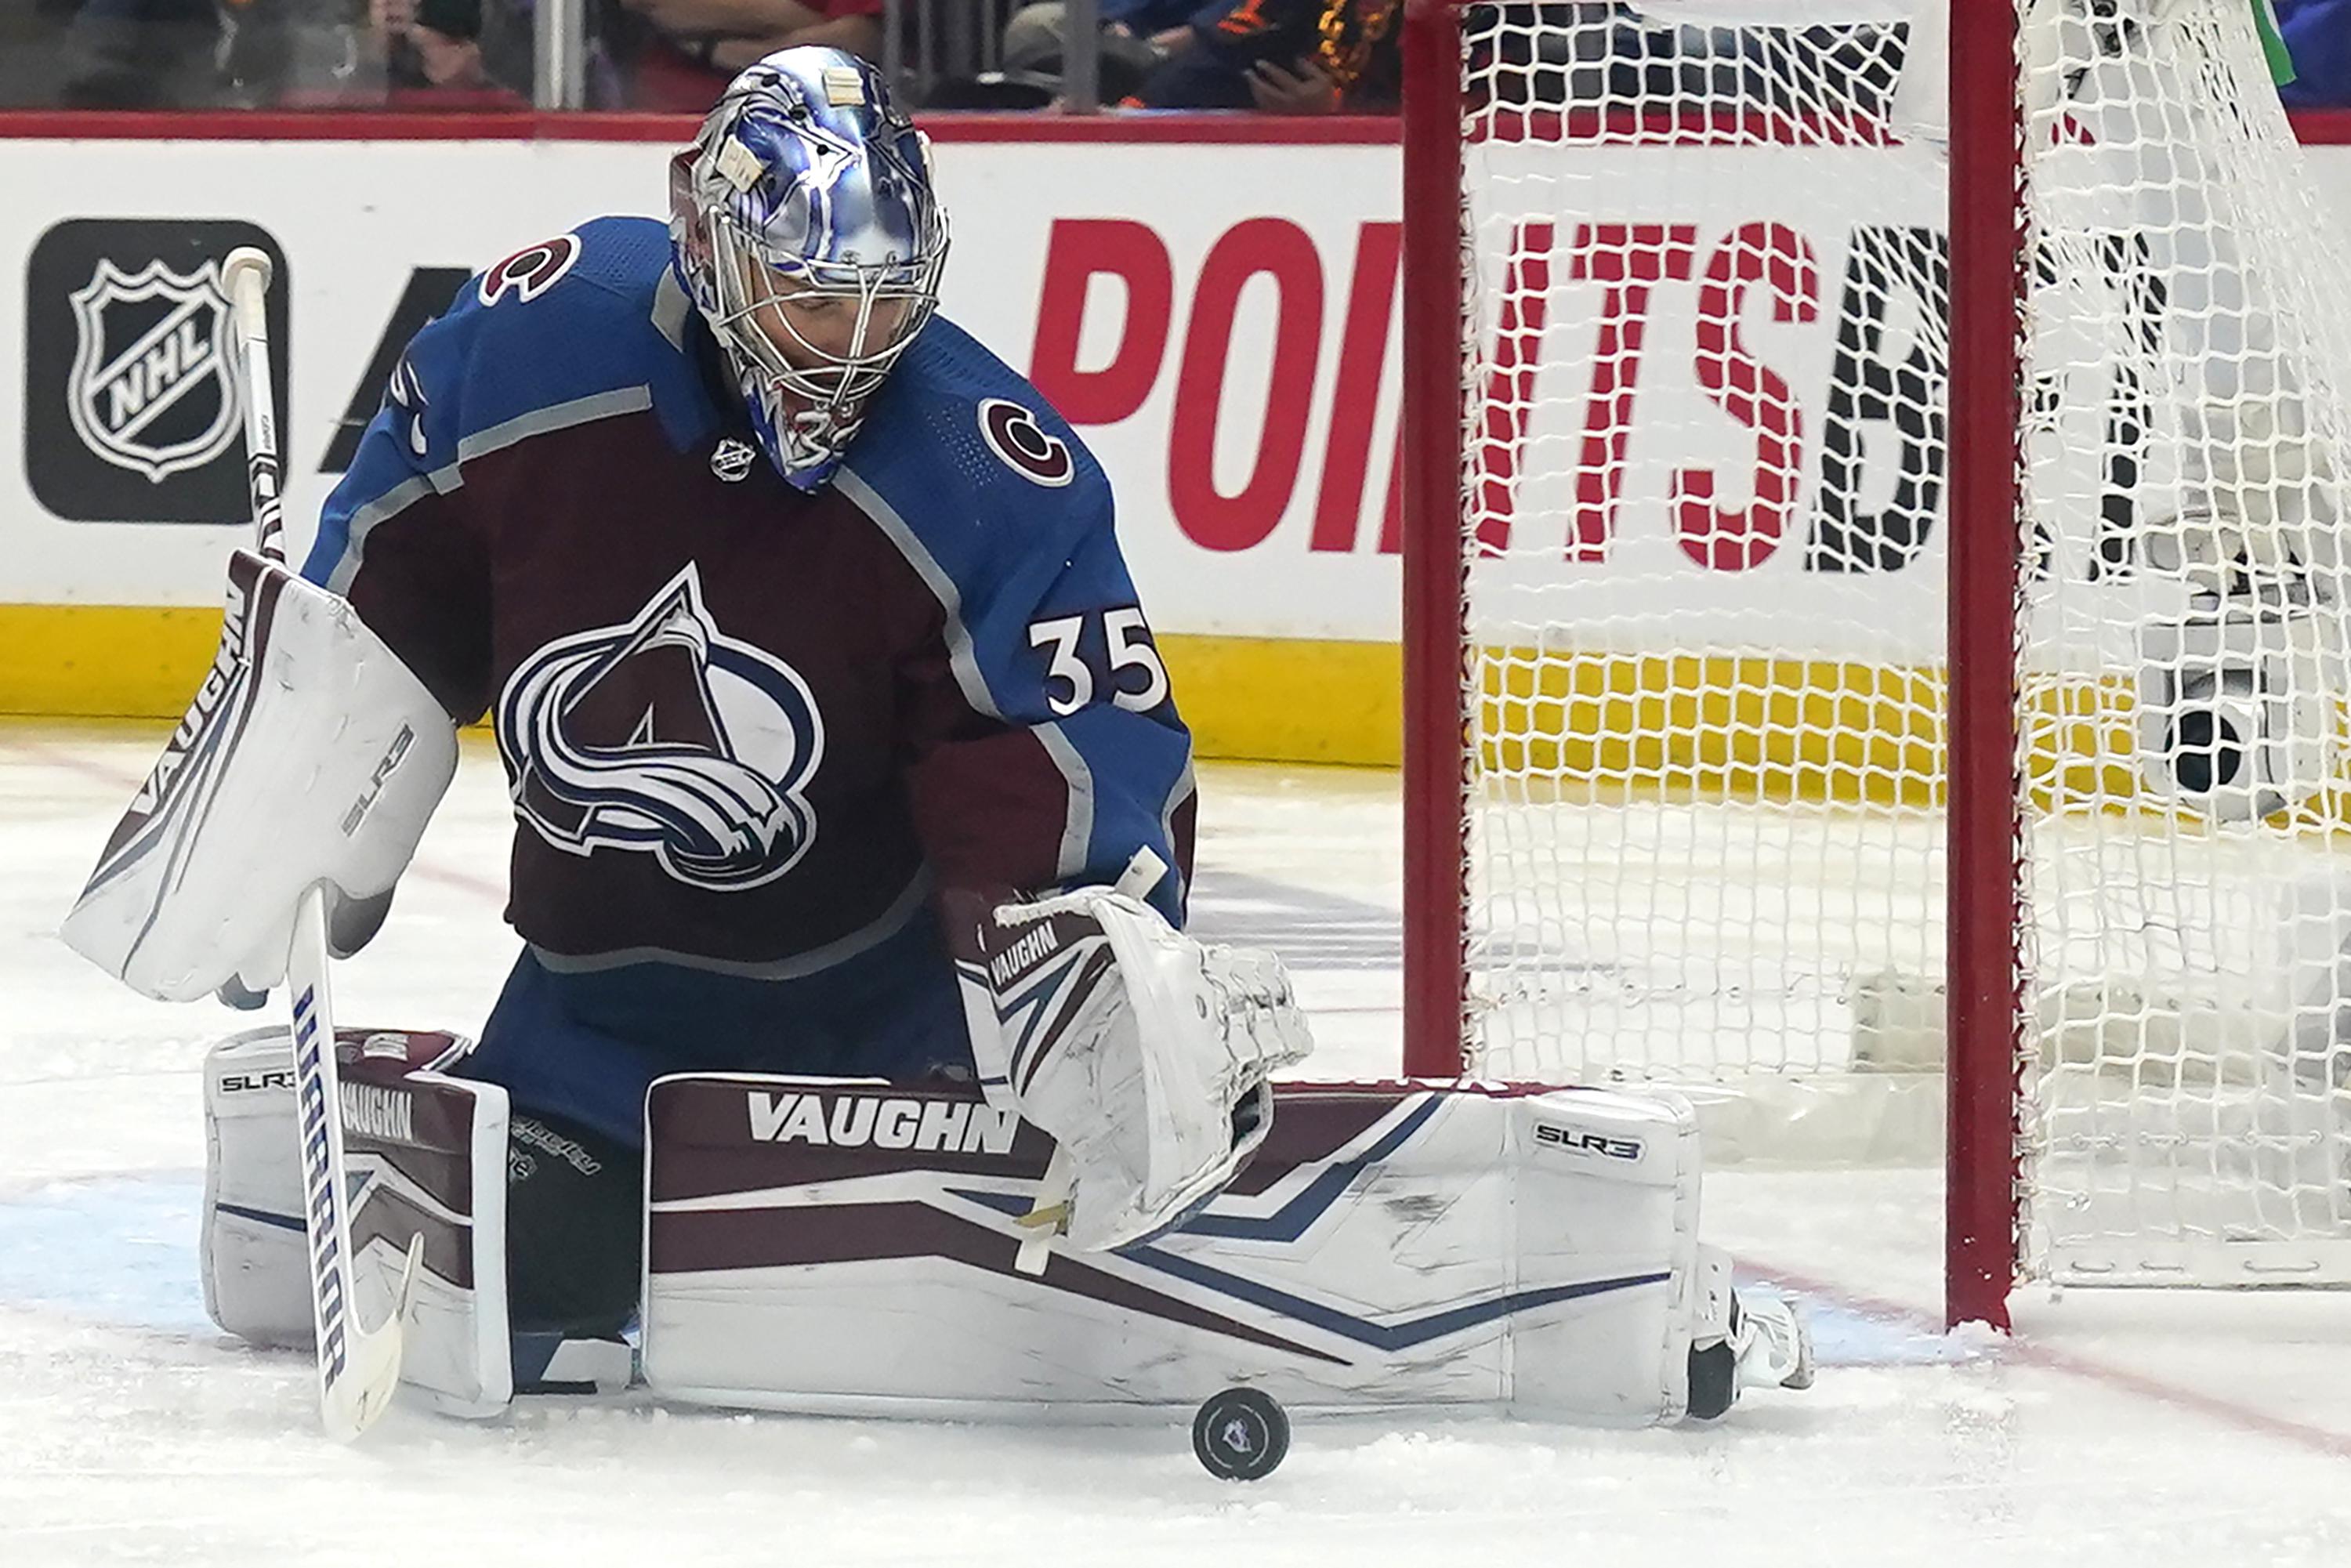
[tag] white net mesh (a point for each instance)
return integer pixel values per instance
(1706, 464)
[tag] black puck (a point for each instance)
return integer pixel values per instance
(1241, 1434)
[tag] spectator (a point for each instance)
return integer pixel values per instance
(1282, 57)
(432, 51)
(681, 54)
(32, 52)
(2317, 34)
(140, 54)
(1136, 34)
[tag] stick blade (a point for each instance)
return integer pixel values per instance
(357, 1400)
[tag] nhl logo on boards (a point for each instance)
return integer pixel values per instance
(150, 389)
(132, 412)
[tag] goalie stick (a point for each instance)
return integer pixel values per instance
(359, 1367)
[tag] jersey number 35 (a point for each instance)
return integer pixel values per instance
(1124, 647)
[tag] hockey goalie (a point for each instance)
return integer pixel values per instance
(856, 1058)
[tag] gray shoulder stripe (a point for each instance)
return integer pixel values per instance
(960, 653)
(384, 507)
(1078, 827)
(670, 306)
(448, 479)
(555, 416)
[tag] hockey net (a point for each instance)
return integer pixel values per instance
(1678, 632)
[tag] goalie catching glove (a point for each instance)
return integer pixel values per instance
(1143, 1054)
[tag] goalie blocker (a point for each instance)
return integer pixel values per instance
(831, 1246)
(311, 755)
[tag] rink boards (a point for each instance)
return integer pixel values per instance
(1232, 357)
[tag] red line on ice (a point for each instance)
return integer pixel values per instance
(2032, 1352)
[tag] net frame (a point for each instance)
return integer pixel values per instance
(2145, 1064)
(1984, 1212)
(1983, 1215)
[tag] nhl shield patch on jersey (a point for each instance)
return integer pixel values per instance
(731, 459)
(133, 410)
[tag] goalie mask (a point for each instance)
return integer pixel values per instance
(803, 226)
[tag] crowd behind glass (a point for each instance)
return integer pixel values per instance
(1289, 56)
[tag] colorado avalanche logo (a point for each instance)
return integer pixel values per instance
(668, 737)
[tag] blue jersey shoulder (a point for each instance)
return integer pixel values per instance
(587, 325)
(976, 464)
(576, 317)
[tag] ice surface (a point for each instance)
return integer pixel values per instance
(2113, 1428)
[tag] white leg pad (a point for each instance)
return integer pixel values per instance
(428, 1155)
(424, 1153)
(819, 1245)
(250, 1244)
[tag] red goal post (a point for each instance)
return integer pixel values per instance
(1982, 1241)
(2138, 1078)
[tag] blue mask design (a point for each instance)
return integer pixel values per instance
(804, 227)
